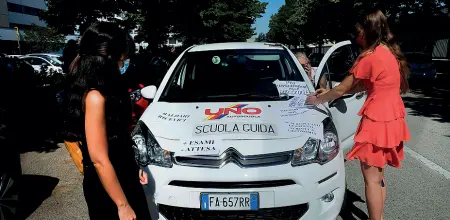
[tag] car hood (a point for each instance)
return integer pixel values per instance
(261, 124)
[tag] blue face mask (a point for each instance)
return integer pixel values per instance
(126, 64)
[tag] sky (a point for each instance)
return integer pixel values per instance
(262, 24)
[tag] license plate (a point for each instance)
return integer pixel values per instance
(229, 201)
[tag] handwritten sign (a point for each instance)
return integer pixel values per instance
(196, 146)
(173, 117)
(291, 88)
(298, 102)
(311, 129)
(235, 128)
(291, 112)
(294, 114)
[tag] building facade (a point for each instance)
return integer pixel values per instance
(19, 13)
(14, 16)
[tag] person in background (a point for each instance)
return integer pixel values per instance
(69, 54)
(98, 115)
(306, 63)
(382, 70)
(135, 76)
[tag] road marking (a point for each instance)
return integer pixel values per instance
(430, 164)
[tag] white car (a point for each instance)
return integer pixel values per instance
(38, 62)
(45, 55)
(222, 140)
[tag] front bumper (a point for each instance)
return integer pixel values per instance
(176, 191)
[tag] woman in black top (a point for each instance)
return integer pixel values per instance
(98, 114)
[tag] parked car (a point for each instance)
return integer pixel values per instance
(47, 55)
(14, 56)
(221, 140)
(10, 172)
(12, 72)
(421, 66)
(39, 62)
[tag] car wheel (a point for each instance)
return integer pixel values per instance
(8, 198)
(344, 203)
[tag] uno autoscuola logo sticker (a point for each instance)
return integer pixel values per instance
(233, 111)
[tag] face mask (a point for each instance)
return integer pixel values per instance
(126, 63)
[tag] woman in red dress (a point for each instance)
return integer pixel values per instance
(381, 70)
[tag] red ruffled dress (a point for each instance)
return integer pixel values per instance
(383, 130)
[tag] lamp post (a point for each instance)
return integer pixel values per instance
(18, 39)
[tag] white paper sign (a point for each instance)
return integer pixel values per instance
(200, 146)
(298, 101)
(296, 114)
(291, 88)
(308, 128)
(286, 113)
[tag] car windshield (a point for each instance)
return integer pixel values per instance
(230, 75)
(54, 61)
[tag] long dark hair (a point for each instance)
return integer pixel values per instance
(376, 31)
(96, 67)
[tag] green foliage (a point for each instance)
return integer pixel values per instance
(64, 15)
(313, 21)
(196, 21)
(262, 38)
(216, 20)
(43, 39)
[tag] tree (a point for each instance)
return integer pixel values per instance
(216, 20)
(65, 15)
(261, 38)
(313, 21)
(280, 30)
(43, 39)
(196, 21)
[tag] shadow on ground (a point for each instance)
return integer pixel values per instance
(430, 99)
(34, 189)
(350, 211)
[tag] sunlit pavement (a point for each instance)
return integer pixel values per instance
(420, 190)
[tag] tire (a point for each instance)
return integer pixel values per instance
(344, 203)
(8, 197)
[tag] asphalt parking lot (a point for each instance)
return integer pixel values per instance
(420, 190)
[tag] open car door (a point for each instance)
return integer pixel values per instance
(332, 70)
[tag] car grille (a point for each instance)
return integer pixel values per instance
(282, 213)
(232, 185)
(233, 156)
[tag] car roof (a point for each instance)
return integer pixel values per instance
(31, 56)
(236, 46)
(46, 54)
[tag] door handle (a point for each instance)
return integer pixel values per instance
(359, 95)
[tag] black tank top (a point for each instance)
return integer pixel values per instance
(118, 124)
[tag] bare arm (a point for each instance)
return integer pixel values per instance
(343, 88)
(95, 127)
(357, 87)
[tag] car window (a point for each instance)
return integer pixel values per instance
(230, 75)
(54, 61)
(315, 59)
(339, 64)
(418, 58)
(36, 61)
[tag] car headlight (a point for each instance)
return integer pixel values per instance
(147, 151)
(317, 151)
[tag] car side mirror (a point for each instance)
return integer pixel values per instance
(149, 92)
